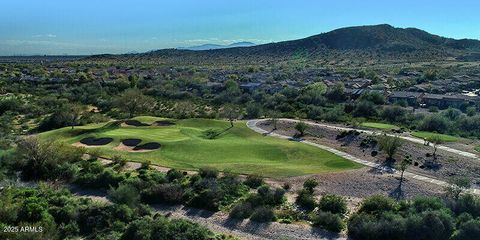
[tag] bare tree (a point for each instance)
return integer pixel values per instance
(273, 115)
(435, 140)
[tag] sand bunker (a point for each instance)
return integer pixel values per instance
(147, 146)
(132, 145)
(131, 142)
(162, 123)
(136, 123)
(91, 141)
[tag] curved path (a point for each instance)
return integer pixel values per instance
(252, 124)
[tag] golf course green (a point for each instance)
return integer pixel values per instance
(384, 126)
(184, 145)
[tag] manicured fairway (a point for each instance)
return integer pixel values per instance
(384, 126)
(444, 137)
(238, 149)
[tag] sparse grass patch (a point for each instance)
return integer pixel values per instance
(384, 126)
(443, 137)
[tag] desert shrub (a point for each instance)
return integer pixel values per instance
(124, 194)
(377, 204)
(206, 199)
(168, 193)
(241, 211)
(333, 203)
(301, 127)
(208, 172)
(173, 175)
(329, 221)
(105, 179)
(310, 184)
(262, 214)
(422, 204)
(469, 230)
(253, 181)
(467, 203)
(211, 133)
(269, 196)
(305, 200)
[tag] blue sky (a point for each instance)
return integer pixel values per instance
(119, 26)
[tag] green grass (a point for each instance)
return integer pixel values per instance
(444, 137)
(383, 126)
(477, 148)
(238, 149)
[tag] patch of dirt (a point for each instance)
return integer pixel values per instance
(91, 141)
(136, 123)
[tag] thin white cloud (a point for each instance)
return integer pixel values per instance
(48, 35)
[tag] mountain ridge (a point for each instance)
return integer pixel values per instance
(380, 42)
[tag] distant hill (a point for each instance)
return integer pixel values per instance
(362, 43)
(217, 46)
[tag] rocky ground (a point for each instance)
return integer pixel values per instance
(446, 166)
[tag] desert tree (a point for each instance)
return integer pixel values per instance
(231, 112)
(132, 101)
(456, 186)
(273, 115)
(402, 166)
(72, 113)
(435, 140)
(301, 127)
(389, 145)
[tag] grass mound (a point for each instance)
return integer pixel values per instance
(237, 149)
(91, 141)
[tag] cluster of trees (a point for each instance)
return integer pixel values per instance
(422, 218)
(57, 214)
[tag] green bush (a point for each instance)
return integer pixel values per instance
(377, 204)
(208, 172)
(168, 193)
(241, 211)
(333, 203)
(329, 221)
(310, 184)
(262, 214)
(124, 194)
(253, 181)
(305, 200)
